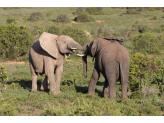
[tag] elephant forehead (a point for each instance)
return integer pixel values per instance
(64, 37)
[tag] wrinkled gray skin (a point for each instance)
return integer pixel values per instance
(112, 60)
(46, 56)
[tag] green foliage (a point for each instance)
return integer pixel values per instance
(147, 43)
(140, 28)
(83, 17)
(154, 17)
(3, 78)
(37, 31)
(35, 16)
(151, 9)
(62, 18)
(56, 30)
(101, 32)
(15, 41)
(133, 10)
(79, 10)
(77, 34)
(95, 10)
(9, 20)
(67, 85)
(144, 71)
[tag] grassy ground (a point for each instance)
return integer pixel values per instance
(17, 98)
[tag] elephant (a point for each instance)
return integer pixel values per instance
(112, 60)
(46, 56)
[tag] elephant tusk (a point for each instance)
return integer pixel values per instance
(73, 48)
(81, 55)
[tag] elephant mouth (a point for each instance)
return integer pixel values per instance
(72, 50)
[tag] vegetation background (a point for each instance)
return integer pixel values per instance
(142, 30)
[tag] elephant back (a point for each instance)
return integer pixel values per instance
(113, 38)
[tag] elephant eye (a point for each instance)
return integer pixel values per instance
(64, 41)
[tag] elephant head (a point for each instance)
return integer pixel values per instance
(91, 49)
(62, 44)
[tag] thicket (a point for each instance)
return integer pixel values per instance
(146, 75)
(147, 43)
(15, 41)
(61, 18)
(83, 17)
(3, 78)
(35, 16)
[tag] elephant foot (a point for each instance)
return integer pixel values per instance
(55, 92)
(91, 93)
(33, 90)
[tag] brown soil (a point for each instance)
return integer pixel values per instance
(13, 62)
(99, 21)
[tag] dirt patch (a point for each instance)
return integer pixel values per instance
(13, 62)
(74, 22)
(99, 21)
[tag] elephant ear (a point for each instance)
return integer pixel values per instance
(48, 43)
(96, 44)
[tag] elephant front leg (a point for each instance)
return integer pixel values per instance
(93, 81)
(55, 83)
(44, 86)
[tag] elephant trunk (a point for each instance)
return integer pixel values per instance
(85, 65)
(78, 46)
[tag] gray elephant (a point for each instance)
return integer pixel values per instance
(47, 56)
(112, 60)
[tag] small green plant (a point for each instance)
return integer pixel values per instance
(35, 16)
(79, 10)
(95, 10)
(83, 17)
(151, 9)
(154, 18)
(62, 18)
(3, 78)
(9, 20)
(147, 43)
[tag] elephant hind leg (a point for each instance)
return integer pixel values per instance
(34, 78)
(44, 86)
(124, 71)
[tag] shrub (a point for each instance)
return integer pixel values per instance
(144, 71)
(61, 18)
(154, 17)
(95, 10)
(15, 41)
(79, 10)
(56, 30)
(83, 17)
(78, 34)
(9, 20)
(101, 32)
(147, 43)
(37, 31)
(140, 28)
(151, 9)
(35, 16)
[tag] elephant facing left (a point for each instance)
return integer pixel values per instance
(46, 56)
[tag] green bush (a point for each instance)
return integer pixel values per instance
(37, 31)
(56, 30)
(154, 17)
(79, 10)
(15, 41)
(83, 17)
(9, 20)
(3, 77)
(147, 43)
(151, 9)
(100, 32)
(140, 28)
(145, 71)
(62, 18)
(35, 16)
(95, 10)
(78, 34)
